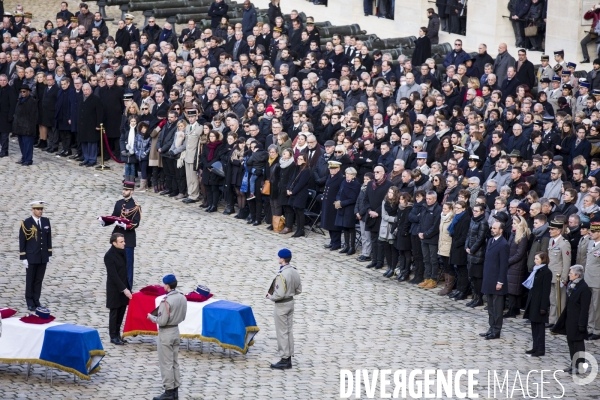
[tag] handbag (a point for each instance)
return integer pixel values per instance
(531, 30)
(266, 189)
(278, 223)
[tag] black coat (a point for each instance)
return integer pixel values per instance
(429, 224)
(403, 241)
(299, 188)
(347, 195)
(123, 39)
(89, 117)
(129, 233)
(328, 210)
(576, 312)
(422, 50)
(64, 107)
(112, 99)
(517, 264)
(208, 177)
(116, 277)
(49, 105)
(25, 120)
(216, 12)
(526, 74)
(8, 102)
(38, 248)
(286, 175)
(373, 202)
(495, 267)
(539, 296)
(458, 254)
(476, 241)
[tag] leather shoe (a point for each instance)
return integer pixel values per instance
(165, 192)
(549, 326)
(270, 227)
(371, 264)
(256, 223)
(531, 351)
(594, 337)
(283, 364)
(492, 336)
(362, 258)
(90, 164)
(117, 341)
(484, 334)
(285, 231)
(298, 234)
(80, 158)
(19, 162)
(3, 155)
(335, 248)
(81, 164)
(537, 354)
(31, 308)
(345, 248)
(74, 156)
(173, 194)
(327, 246)
(189, 201)
(585, 61)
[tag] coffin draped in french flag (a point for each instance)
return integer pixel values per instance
(72, 348)
(228, 324)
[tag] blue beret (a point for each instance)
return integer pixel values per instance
(584, 84)
(284, 253)
(169, 279)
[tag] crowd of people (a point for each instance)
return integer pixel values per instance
(421, 166)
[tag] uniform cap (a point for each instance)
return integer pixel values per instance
(42, 312)
(545, 80)
(559, 53)
(585, 84)
(571, 65)
(474, 157)
(37, 204)
(459, 149)
(147, 88)
(556, 79)
(556, 224)
(421, 154)
(129, 16)
(128, 185)
(334, 164)
(545, 57)
(203, 290)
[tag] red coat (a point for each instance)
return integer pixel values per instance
(595, 15)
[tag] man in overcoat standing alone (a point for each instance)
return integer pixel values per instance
(89, 118)
(118, 291)
(332, 187)
(25, 124)
(495, 277)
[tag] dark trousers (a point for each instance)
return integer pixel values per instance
(144, 168)
(376, 249)
(65, 138)
(584, 44)
(90, 152)
(368, 7)
(256, 204)
(180, 179)
(417, 255)
(289, 216)
(430, 260)
(158, 176)
(130, 259)
(170, 167)
(213, 194)
(513, 304)
(4, 143)
(115, 319)
(538, 333)
(53, 137)
(447, 267)
(518, 28)
(391, 254)
(495, 310)
(335, 238)
(576, 346)
(299, 214)
(26, 146)
(462, 278)
(33, 281)
(404, 260)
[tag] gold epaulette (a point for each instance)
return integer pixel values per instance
(29, 233)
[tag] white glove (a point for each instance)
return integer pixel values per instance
(25, 263)
(101, 221)
(121, 224)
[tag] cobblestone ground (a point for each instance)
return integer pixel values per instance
(348, 317)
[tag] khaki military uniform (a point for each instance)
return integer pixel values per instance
(546, 72)
(580, 103)
(553, 95)
(193, 133)
(592, 278)
(171, 312)
(284, 287)
(559, 252)
(582, 250)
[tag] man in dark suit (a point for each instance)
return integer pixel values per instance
(239, 46)
(190, 33)
(328, 209)
(525, 71)
(574, 319)
(118, 291)
(89, 118)
(35, 250)
(8, 101)
(509, 86)
(495, 279)
(48, 110)
(217, 10)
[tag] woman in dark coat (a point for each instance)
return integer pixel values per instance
(298, 191)
(538, 302)
(235, 174)
(403, 239)
(287, 171)
(476, 245)
(122, 37)
(272, 175)
(517, 264)
(422, 48)
(345, 217)
(117, 287)
(256, 165)
(459, 230)
(213, 152)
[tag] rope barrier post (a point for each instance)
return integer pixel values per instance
(102, 167)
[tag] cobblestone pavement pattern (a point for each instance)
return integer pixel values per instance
(348, 317)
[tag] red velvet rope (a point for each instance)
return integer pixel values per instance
(107, 148)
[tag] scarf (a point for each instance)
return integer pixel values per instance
(363, 188)
(283, 163)
(390, 210)
(402, 208)
(537, 232)
(271, 160)
(379, 182)
(447, 193)
(300, 148)
(131, 139)
(455, 220)
(164, 34)
(589, 210)
(237, 154)
(529, 281)
(212, 146)
(393, 174)
(571, 286)
(473, 146)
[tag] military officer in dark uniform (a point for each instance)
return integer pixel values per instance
(313, 34)
(274, 46)
(35, 246)
(329, 212)
(128, 208)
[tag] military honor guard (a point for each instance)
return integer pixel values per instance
(117, 287)
(559, 57)
(35, 247)
(592, 277)
(545, 70)
(559, 253)
(284, 287)
(555, 92)
(126, 209)
(169, 314)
